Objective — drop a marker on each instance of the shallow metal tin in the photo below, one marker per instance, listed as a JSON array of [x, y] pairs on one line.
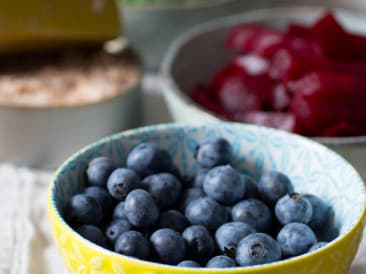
[[197, 54], [43, 137]]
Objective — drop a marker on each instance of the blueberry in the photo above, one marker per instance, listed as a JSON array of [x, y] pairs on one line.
[[141, 209], [102, 197], [189, 264], [189, 195], [224, 184], [295, 239], [317, 246], [200, 177], [173, 219], [119, 211], [274, 185], [164, 187], [83, 209], [257, 248], [321, 213], [221, 262], [116, 228], [98, 171], [148, 158], [229, 235], [207, 212], [253, 212], [213, 152], [199, 242], [93, 234], [168, 245], [134, 244], [98, 160], [121, 182], [251, 188], [293, 208]]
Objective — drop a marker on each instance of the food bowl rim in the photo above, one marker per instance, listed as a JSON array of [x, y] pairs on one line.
[[170, 86], [56, 216]]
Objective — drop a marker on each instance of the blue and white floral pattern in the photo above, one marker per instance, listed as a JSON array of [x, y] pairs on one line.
[[313, 168]]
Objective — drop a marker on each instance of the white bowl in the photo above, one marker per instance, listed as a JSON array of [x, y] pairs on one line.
[[196, 55]]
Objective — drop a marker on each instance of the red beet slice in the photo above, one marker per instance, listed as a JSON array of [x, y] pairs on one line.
[[287, 65], [233, 89], [257, 39], [344, 129], [241, 87], [280, 98], [294, 29], [336, 41], [284, 121], [252, 64], [203, 97], [322, 99]]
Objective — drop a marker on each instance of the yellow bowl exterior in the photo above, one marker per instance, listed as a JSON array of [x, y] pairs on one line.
[[81, 257]]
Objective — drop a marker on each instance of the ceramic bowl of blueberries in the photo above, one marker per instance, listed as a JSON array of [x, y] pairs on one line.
[[252, 68], [215, 198]]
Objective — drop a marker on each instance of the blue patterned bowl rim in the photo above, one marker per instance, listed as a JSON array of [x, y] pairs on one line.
[[177, 126]]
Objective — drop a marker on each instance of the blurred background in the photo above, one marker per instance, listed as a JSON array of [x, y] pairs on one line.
[[151, 28], [72, 72]]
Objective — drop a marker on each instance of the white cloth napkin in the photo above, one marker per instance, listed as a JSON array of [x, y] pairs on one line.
[[25, 240]]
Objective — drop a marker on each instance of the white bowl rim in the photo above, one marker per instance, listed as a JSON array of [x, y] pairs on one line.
[[175, 126], [175, 7], [169, 85]]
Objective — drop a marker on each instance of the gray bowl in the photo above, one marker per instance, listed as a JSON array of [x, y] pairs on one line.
[[42, 137], [197, 54], [151, 29]]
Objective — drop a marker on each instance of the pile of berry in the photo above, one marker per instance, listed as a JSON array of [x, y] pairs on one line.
[[219, 218]]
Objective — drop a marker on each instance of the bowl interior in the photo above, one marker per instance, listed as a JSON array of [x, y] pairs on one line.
[[198, 54], [312, 167]]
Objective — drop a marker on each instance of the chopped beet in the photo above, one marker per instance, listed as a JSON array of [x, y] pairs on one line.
[[252, 64], [202, 96], [258, 39], [322, 99], [298, 30], [336, 41], [344, 129], [280, 98], [306, 79], [233, 89], [309, 48], [288, 65], [240, 91]]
